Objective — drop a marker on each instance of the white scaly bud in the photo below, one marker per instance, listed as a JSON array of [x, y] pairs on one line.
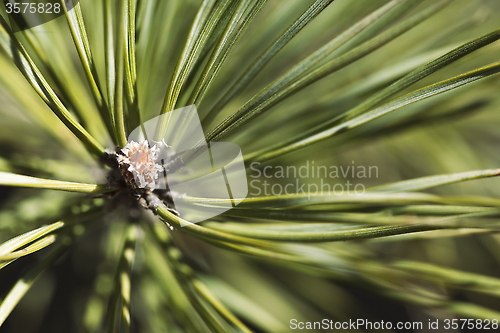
[[138, 164]]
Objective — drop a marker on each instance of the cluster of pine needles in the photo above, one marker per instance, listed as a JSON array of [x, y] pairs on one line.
[[408, 86]]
